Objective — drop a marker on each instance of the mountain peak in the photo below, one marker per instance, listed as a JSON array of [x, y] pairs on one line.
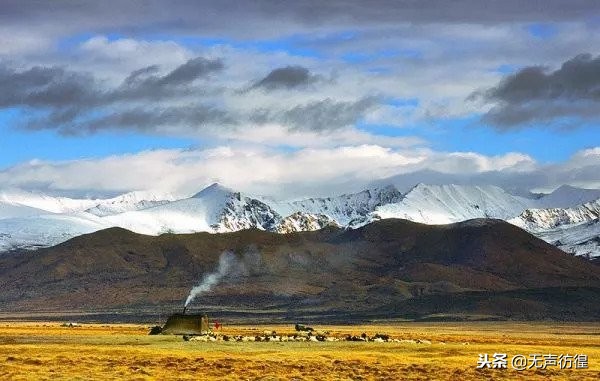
[[566, 188], [213, 190], [387, 188], [455, 187], [567, 196]]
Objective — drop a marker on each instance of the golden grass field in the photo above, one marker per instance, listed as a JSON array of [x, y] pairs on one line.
[[47, 351]]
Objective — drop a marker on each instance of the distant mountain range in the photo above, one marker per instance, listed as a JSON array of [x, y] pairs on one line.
[[388, 269], [567, 217]]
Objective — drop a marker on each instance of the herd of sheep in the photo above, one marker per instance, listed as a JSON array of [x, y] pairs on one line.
[[272, 336]]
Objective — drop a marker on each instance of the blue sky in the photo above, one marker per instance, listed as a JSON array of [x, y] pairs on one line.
[[19, 146], [545, 145], [402, 88]]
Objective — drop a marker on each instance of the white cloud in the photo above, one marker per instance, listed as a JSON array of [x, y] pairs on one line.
[[471, 162], [284, 174], [439, 64], [273, 135], [117, 58]]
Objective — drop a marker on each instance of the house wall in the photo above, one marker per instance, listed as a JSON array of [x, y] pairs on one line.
[[179, 324]]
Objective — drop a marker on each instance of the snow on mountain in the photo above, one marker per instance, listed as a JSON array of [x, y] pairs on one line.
[[45, 202], [345, 209], [10, 210], [129, 202], [99, 207], [45, 230], [568, 196], [26, 221], [575, 230], [444, 204], [219, 209], [214, 209], [299, 222], [579, 239], [536, 220]]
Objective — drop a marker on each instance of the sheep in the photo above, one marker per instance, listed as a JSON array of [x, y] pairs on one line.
[[203, 338]]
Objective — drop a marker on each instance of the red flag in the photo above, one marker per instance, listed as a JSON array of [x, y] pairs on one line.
[[217, 325]]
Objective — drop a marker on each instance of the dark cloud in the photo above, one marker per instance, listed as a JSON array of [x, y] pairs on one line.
[[71, 101], [535, 94], [45, 87], [57, 87], [192, 117], [190, 71], [145, 84], [327, 114], [136, 75], [76, 103], [321, 115], [577, 78], [288, 77], [244, 19]]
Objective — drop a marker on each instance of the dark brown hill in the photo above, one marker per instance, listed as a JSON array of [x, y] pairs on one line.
[[387, 269]]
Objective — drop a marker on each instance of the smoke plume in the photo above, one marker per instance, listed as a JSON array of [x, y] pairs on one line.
[[231, 268], [227, 263]]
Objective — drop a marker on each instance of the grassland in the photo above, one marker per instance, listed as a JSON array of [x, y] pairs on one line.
[[47, 351]]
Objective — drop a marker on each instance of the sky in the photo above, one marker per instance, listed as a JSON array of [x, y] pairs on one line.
[[298, 98]]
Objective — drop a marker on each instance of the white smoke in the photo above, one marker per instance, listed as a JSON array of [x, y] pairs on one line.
[[227, 263]]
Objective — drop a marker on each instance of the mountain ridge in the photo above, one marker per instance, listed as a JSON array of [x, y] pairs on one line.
[[371, 270], [217, 208]]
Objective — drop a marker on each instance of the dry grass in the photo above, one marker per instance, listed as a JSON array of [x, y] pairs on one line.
[[38, 351]]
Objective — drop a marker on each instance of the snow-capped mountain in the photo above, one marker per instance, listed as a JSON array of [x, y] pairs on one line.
[[11, 210], [41, 203], [45, 230], [44, 202], [215, 209], [444, 204], [300, 221], [579, 239], [567, 196], [33, 220], [344, 210], [129, 202], [536, 220], [575, 230]]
